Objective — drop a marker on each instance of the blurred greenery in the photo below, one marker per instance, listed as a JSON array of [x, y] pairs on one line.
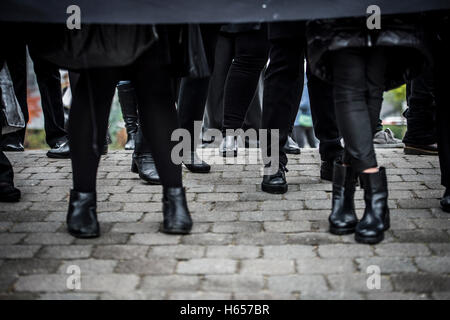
[[398, 131], [396, 97]]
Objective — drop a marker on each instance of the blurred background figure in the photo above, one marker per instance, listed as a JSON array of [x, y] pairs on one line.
[[303, 127]]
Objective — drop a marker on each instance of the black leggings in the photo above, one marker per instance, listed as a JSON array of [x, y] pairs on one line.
[[92, 99], [251, 54], [358, 80]]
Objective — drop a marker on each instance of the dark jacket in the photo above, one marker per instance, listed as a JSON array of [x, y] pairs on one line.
[[11, 116], [407, 56]]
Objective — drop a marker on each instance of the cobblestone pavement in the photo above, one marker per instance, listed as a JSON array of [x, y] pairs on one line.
[[246, 244]]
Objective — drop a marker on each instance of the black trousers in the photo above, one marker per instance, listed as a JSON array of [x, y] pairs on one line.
[[283, 86], [250, 57], [6, 170], [421, 113], [358, 85], [49, 82], [442, 83], [194, 91], [156, 109], [224, 54]]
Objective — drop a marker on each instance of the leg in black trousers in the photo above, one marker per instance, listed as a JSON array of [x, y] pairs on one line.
[[420, 137], [7, 191], [49, 82], [441, 80], [251, 53], [192, 99], [358, 79], [16, 59]]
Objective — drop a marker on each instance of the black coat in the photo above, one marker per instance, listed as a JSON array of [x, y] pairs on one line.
[[404, 35]]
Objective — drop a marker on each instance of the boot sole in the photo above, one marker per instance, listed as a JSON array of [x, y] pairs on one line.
[[369, 240], [419, 152], [54, 156], [175, 231], [292, 151], [84, 236], [274, 190], [203, 170], [341, 231]]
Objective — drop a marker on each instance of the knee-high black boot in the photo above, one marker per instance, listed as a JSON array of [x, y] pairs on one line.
[[128, 103], [343, 218], [376, 215]]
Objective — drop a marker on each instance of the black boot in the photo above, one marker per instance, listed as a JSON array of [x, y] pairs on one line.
[[375, 221], [177, 219], [343, 218], [8, 193], [326, 170], [445, 201], [60, 151], [194, 164], [82, 215], [128, 103], [229, 146], [144, 165], [291, 147], [275, 183]]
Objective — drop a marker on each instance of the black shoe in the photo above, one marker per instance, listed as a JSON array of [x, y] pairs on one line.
[[291, 147], [229, 146], [370, 229], [275, 183], [177, 219], [60, 151], [445, 201], [82, 215], [195, 164], [326, 170], [13, 147], [420, 149], [8, 193], [131, 141], [343, 218], [144, 165], [105, 149]]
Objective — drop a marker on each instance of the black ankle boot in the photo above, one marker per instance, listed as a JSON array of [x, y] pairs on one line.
[[144, 164], [82, 215], [275, 183], [445, 201], [8, 193], [196, 165], [375, 221], [177, 219], [343, 218], [131, 140]]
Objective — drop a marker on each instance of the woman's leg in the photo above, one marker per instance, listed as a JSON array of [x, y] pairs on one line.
[[352, 112], [157, 114], [92, 100], [251, 53]]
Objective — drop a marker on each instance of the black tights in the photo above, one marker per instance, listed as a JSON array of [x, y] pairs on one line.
[[358, 82], [92, 99], [251, 54]]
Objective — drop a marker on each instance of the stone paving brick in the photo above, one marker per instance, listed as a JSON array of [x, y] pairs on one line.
[[402, 250], [233, 283], [65, 251], [422, 236], [303, 284], [49, 238], [207, 239], [421, 282], [262, 216], [207, 266], [171, 283], [287, 226], [120, 252], [36, 227], [18, 251], [89, 266], [267, 266], [177, 252], [288, 251], [387, 265], [236, 227], [357, 283], [148, 266], [154, 239], [233, 252], [433, 264], [325, 266], [199, 295], [11, 238], [345, 250]]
